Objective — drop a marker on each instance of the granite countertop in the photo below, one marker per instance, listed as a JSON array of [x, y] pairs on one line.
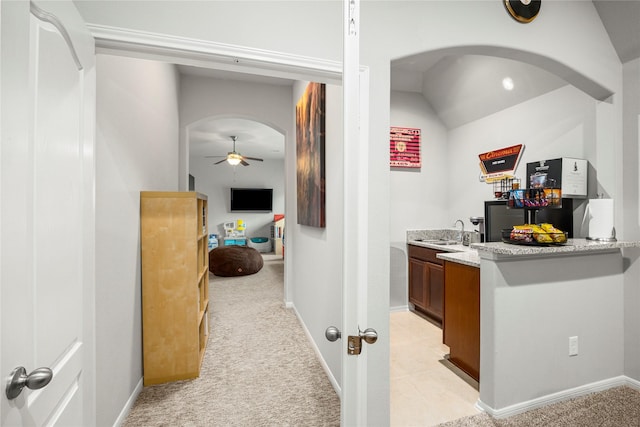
[[573, 246], [451, 252], [470, 255]]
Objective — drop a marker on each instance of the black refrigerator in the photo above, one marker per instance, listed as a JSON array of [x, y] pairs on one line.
[[498, 216]]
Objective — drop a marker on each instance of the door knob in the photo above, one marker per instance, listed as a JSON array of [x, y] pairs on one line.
[[369, 335], [332, 333], [354, 346], [18, 379]]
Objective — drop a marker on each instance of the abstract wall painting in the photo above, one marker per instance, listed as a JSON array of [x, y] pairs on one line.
[[310, 155]]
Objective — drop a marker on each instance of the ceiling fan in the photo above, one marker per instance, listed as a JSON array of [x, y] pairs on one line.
[[234, 158]]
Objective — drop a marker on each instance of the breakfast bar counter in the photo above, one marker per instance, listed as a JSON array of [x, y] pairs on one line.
[[497, 250], [546, 313]]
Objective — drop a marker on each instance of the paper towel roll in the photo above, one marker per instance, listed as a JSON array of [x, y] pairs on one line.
[[601, 219]]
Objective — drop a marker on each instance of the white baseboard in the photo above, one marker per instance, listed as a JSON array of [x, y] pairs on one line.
[[558, 397], [323, 363], [633, 383], [127, 407], [398, 308]]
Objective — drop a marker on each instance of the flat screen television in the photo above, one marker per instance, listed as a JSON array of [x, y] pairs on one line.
[[251, 199]]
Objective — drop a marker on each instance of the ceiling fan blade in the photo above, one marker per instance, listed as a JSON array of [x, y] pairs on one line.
[[252, 158], [243, 163], [221, 161]]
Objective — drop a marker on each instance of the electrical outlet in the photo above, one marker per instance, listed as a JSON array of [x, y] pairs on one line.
[[573, 346]]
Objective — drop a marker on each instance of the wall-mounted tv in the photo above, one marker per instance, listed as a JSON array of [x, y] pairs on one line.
[[251, 199]]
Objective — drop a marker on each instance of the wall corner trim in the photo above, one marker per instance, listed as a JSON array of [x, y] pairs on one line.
[[195, 52]]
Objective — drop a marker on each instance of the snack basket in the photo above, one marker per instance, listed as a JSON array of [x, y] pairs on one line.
[[534, 239]]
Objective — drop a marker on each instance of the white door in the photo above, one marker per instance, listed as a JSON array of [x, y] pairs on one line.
[[365, 385], [46, 218]]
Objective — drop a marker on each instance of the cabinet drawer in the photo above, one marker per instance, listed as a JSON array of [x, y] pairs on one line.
[[425, 254]]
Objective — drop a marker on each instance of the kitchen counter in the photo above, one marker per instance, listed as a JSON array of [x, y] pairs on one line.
[[533, 302], [452, 252], [497, 250], [469, 257]]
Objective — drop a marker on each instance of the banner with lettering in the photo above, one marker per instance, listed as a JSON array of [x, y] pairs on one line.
[[499, 164], [405, 147]]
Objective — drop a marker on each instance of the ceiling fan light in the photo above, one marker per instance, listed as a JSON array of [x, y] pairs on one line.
[[233, 159]]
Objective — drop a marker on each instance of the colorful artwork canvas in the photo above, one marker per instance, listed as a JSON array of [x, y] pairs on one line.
[[310, 155]]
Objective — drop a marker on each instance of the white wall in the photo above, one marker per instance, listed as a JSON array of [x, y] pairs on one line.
[[215, 181], [136, 149], [528, 317], [560, 123], [311, 28], [315, 252], [204, 98], [631, 135], [419, 197], [448, 188]]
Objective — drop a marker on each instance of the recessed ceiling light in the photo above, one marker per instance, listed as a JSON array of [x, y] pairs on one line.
[[507, 83]]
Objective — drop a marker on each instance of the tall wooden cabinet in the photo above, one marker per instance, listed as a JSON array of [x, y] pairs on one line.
[[175, 284], [462, 316]]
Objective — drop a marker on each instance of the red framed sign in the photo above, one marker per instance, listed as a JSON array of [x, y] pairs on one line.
[[404, 148]]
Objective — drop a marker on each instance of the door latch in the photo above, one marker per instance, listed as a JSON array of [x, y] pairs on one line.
[[354, 343]]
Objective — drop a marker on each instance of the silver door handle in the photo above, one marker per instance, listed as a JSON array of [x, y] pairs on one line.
[[354, 346], [369, 335], [333, 334], [18, 379]]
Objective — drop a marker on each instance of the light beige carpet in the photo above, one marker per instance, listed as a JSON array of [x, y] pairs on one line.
[[616, 407], [258, 370]]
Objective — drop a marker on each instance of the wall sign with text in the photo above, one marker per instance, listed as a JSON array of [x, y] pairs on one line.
[[499, 164], [405, 147]]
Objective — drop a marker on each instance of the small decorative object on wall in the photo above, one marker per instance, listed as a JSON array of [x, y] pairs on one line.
[[310, 156], [405, 148], [523, 11], [499, 164]]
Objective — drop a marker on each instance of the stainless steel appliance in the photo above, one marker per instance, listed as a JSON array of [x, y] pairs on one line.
[[479, 222]]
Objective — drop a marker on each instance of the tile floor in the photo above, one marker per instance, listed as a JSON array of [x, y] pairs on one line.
[[424, 392]]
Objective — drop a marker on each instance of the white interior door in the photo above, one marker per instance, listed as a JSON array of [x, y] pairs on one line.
[[365, 390], [48, 104]]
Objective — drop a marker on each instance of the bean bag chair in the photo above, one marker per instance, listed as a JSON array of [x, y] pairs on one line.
[[229, 261]]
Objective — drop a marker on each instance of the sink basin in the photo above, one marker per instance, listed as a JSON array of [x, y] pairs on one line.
[[439, 242]]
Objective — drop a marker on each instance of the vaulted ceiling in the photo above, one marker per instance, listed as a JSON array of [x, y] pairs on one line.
[[460, 89]]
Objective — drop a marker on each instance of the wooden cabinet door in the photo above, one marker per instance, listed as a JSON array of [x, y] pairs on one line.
[[434, 291], [417, 278], [426, 288], [462, 317]]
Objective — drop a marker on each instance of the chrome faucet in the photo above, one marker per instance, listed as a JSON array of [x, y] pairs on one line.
[[461, 231]]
